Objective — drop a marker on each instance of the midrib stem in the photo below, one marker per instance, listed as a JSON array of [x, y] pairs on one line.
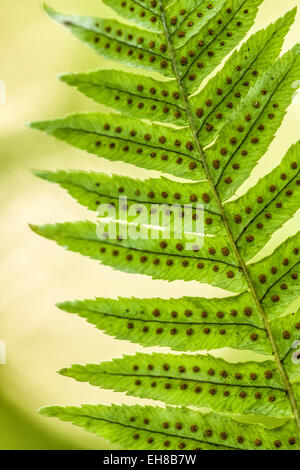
[[214, 190]]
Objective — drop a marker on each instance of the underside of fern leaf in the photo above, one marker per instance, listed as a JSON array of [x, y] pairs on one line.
[[212, 133]]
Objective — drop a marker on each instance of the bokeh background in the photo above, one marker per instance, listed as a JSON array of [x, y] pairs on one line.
[[35, 273]]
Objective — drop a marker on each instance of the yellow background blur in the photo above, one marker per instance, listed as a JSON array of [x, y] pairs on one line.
[[35, 274]]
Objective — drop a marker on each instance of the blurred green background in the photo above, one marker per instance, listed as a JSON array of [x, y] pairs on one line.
[[35, 274]]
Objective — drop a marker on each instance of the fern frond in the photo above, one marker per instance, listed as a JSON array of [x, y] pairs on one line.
[[240, 308], [212, 134], [155, 257], [120, 138], [266, 206], [92, 189], [203, 381], [133, 95], [118, 41], [270, 273], [176, 324], [240, 73], [137, 427], [145, 15], [214, 41], [247, 137], [186, 18]]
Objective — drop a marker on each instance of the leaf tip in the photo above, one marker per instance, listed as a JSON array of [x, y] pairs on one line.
[[37, 125], [40, 173], [61, 305], [66, 77], [41, 230], [33, 227], [291, 13], [65, 20], [49, 10], [48, 411], [294, 10], [63, 371]]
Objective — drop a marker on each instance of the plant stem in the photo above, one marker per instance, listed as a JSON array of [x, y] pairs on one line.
[[214, 190]]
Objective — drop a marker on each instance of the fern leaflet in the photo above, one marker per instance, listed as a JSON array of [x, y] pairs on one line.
[[212, 134]]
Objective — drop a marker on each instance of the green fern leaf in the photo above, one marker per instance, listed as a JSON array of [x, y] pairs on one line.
[[134, 95], [247, 137], [270, 203], [175, 323], [155, 322], [145, 15], [187, 310], [186, 18], [212, 134], [117, 41], [157, 258], [202, 381], [93, 189], [136, 427], [214, 41], [231, 84], [270, 274], [155, 147]]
